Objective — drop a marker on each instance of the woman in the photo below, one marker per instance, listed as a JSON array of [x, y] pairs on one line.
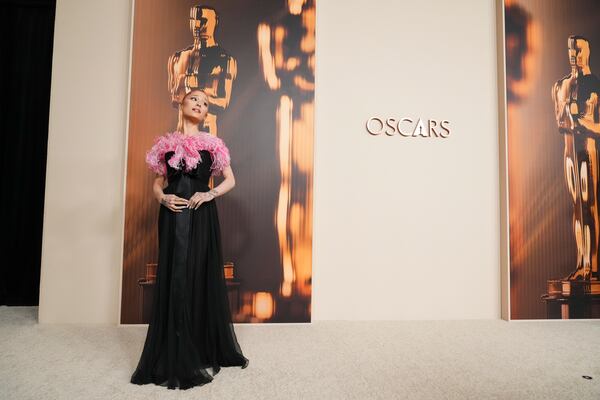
[[190, 328]]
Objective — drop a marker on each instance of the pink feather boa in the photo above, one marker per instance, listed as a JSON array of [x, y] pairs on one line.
[[187, 147]]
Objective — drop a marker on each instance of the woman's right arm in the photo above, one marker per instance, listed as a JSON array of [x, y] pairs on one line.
[[171, 201], [157, 187]]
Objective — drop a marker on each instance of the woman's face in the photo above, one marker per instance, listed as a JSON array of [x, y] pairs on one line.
[[195, 106]]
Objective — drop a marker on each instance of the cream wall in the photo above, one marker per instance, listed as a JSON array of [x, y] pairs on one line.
[[404, 228], [83, 212]]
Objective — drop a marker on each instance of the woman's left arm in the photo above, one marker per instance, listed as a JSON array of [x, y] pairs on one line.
[[224, 187], [227, 184]]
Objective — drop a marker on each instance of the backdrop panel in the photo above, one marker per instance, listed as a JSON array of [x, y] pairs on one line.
[[553, 134], [260, 74]]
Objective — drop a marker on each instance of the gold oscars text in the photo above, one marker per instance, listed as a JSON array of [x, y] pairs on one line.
[[408, 127]]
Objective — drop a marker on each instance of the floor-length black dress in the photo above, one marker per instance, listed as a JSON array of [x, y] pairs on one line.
[[190, 328]]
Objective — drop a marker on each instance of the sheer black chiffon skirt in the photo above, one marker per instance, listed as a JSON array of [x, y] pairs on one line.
[[190, 328]]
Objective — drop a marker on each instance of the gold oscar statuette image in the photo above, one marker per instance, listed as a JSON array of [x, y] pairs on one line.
[[287, 62], [204, 65], [575, 99]]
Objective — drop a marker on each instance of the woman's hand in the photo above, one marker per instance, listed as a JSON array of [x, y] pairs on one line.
[[199, 198], [173, 202]]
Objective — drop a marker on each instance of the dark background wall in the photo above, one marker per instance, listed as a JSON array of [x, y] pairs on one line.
[[26, 38]]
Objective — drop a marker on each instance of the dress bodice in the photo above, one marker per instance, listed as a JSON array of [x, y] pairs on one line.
[[185, 183], [188, 161]]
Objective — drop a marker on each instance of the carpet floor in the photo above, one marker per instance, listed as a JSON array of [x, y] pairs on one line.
[[459, 359]]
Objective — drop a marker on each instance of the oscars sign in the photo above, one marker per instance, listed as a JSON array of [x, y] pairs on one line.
[[408, 127]]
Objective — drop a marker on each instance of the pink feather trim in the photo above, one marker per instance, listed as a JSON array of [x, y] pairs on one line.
[[187, 147]]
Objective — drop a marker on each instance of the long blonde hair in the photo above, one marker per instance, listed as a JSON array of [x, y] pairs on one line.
[[180, 108]]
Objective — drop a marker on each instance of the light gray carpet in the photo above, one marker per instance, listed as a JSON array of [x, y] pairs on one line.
[[470, 359]]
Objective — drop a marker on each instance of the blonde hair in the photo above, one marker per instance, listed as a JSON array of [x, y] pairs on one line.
[[180, 107]]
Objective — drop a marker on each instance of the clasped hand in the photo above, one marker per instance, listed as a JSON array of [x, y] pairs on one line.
[[176, 203]]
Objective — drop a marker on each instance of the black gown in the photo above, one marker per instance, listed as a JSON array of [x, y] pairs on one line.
[[190, 328]]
